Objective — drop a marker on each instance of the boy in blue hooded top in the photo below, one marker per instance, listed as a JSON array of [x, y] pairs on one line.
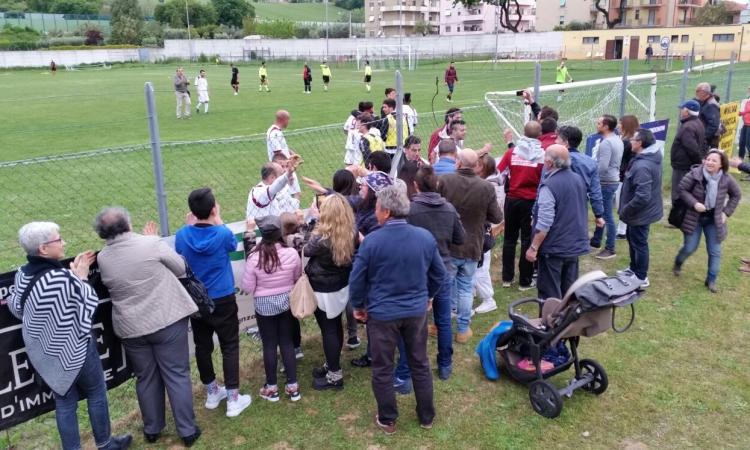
[[206, 243]]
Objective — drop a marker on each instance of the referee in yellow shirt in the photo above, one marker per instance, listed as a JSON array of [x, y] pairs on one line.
[[263, 74]]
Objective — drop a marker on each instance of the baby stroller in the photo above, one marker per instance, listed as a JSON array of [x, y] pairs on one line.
[[587, 309]]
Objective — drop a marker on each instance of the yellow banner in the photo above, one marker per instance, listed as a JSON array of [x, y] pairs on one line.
[[730, 119]]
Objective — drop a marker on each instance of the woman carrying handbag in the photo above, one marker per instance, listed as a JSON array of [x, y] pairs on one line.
[[271, 271], [331, 251]]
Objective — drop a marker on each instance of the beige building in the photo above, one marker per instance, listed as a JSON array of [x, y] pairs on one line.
[[657, 13], [563, 12], [709, 43]]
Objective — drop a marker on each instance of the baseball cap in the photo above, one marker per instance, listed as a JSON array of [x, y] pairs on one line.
[[376, 180], [270, 227], [691, 105]]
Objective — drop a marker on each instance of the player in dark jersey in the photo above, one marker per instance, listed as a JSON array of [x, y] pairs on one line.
[[235, 79]]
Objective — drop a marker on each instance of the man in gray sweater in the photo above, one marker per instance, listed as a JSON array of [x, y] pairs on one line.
[[181, 93], [608, 158]]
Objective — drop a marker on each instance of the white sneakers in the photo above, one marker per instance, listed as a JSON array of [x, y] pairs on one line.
[[235, 407], [488, 305], [213, 400], [629, 273]]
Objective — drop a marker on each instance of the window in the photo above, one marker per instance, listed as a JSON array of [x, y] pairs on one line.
[[562, 3], [458, 29], [637, 14], [591, 40], [723, 37], [447, 28], [652, 17], [562, 20], [675, 38], [685, 38], [653, 39]]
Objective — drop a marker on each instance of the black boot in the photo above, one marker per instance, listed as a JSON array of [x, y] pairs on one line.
[[190, 440], [121, 442]]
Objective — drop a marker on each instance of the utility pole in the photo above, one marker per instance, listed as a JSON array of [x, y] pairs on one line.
[[187, 18], [326, 2]]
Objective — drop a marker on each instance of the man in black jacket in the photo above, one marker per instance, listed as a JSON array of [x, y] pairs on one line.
[[710, 114], [688, 146], [640, 202]]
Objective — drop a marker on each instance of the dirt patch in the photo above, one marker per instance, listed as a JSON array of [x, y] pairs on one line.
[[628, 444]]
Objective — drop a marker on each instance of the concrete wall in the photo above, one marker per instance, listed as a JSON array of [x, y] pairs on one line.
[[455, 46], [42, 58], [700, 37]]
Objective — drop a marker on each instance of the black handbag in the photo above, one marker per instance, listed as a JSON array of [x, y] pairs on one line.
[[677, 213], [198, 292]]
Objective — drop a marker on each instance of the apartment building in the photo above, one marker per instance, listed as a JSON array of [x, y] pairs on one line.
[[389, 18], [483, 18], [563, 12], [656, 13]]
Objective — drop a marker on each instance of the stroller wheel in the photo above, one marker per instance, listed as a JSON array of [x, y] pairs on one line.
[[545, 399], [600, 382]]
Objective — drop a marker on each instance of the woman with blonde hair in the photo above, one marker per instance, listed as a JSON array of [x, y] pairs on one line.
[[331, 251], [628, 126]]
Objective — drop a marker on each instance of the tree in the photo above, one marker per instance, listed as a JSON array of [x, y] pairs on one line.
[[93, 36], [173, 13], [713, 15], [611, 23], [126, 22], [231, 12], [75, 7]]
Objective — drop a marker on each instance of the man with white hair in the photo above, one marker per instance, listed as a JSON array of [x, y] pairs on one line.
[[476, 203], [688, 146], [275, 140], [56, 307], [710, 114], [398, 268], [560, 225]]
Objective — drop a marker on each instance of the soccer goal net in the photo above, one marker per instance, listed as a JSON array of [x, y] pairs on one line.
[[386, 57], [580, 103]]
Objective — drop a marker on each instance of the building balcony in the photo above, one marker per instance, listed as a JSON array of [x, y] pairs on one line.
[[397, 23], [404, 8], [641, 4], [690, 3]]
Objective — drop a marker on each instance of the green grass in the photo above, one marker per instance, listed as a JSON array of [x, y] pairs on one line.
[[304, 12], [677, 378]]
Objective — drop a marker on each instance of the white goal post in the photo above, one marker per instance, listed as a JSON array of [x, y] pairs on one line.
[[385, 56], [579, 103]]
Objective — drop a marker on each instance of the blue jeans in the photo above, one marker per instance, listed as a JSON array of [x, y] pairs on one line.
[[706, 225], [744, 142], [441, 311], [462, 271], [608, 199], [90, 383], [638, 242]]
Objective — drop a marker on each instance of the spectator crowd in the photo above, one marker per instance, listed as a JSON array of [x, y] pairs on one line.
[[401, 242]]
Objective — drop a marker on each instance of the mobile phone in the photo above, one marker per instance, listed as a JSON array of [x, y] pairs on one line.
[[519, 93]]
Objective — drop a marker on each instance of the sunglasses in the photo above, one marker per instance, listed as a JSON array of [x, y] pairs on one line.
[[52, 241]]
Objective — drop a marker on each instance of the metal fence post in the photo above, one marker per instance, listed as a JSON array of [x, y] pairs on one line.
[[399, 125], [683, 86], [624, 86], [153, 128], [730, 74], [537, 79]]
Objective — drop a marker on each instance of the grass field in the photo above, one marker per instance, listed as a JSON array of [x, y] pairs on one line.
[[677, 379], [303, 12]]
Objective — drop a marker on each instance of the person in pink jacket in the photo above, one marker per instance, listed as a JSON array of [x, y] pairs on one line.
[[271, 270]]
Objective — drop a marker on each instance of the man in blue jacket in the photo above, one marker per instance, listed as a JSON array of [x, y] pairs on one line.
[[560, 229], [206, 243], [397, 270], [585, 166], [641, 202]]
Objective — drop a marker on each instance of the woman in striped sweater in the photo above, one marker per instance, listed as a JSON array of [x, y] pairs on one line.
[[56, 306]]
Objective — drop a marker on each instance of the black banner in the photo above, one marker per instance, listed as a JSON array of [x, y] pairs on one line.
[[21, 397]]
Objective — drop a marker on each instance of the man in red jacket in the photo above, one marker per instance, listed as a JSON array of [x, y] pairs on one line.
[[451, 78], [523, 162]]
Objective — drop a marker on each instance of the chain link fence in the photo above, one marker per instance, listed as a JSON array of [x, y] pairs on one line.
[[70, 189]]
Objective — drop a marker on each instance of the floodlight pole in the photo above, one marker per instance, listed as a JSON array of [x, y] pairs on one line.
[[153, 128], [187, 19], [326, 3]]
